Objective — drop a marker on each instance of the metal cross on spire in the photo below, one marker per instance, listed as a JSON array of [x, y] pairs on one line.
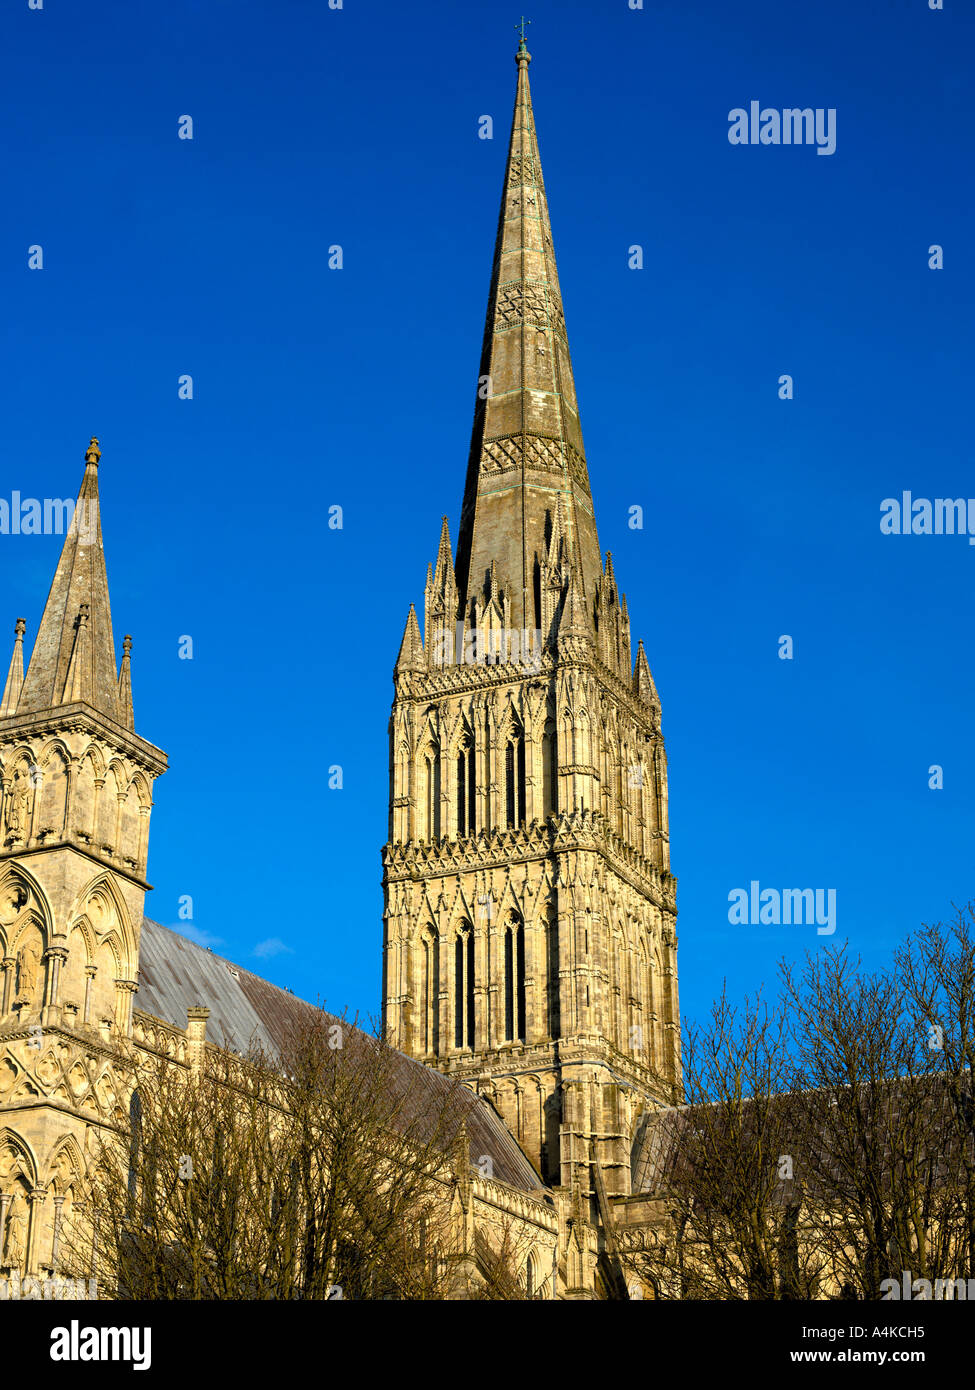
[[521, 28]]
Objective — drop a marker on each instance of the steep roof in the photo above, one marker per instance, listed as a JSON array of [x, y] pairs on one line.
[[663, 1149], [176, 974]]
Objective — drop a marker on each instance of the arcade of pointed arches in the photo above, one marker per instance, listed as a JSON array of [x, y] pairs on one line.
[[446, 973]]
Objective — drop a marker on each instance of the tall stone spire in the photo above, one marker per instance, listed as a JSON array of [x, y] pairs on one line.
[[526, 446], [529, 925], [74, 654]]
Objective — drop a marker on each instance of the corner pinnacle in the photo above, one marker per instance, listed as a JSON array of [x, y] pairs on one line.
[[15, 675], [126, 712]]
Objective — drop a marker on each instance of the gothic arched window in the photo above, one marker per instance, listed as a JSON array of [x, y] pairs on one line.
[[626, 791], [135, 1144], [464, 986], [514, 777], [550, 770], [653, 1009], [429, 992], [617, 983], [642, 1041], [429, 800], [466, 787], [514, 981], [552, 973], [638, 780]]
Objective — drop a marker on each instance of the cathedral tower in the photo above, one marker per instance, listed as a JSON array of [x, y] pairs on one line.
[[75, 800], [529, 942]]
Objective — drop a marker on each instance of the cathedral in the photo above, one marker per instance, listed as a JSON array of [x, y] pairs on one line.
[[529, 945]]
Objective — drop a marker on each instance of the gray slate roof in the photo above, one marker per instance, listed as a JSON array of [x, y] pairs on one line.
[[176, 974]]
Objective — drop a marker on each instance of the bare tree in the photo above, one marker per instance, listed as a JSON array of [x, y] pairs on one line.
[[827, 1142], [319, 1172], [729, 1200], [869, 1118], [937, 971]]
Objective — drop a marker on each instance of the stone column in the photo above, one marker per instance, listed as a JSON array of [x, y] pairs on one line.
[[119, 813], [143, 853], [90, 972], [96, 812], [7, 966], [54, 957], [34, 1200], [124, 992], [56, 1241], [5, 1199], [196, 1033]]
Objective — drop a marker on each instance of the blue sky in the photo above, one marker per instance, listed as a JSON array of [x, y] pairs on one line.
[[316, 387]]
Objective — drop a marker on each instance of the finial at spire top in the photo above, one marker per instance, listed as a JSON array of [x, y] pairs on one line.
[[20, 628], [522, 53], [126, 645], [93, 453]]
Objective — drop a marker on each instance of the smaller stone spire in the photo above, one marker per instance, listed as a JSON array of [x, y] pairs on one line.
[[126, 712], [411, 648], [626, 643], [15, 676], [575, 621], [643, 680], [444, 573], [553, 551], [72, 660], [74, 683]]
